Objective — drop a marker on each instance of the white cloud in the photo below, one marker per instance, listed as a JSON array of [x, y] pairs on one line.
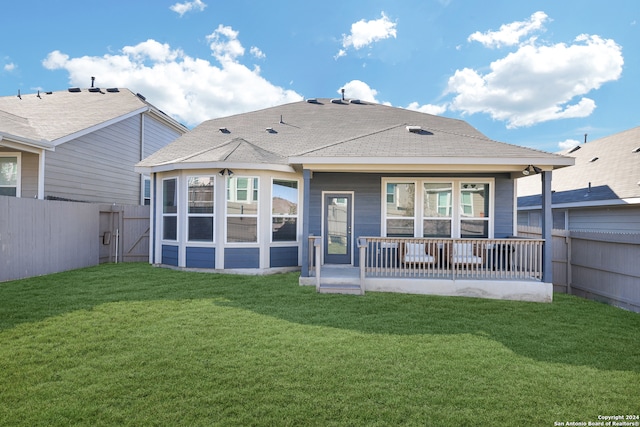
[[510, 34], [9, 67], [568, 144], [427, 108], [182, 8], [255, 51], [365, 33], [539, 83], [357, 89], [190, 89]]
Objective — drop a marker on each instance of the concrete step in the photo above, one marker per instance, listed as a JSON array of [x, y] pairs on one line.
[[346, 289]]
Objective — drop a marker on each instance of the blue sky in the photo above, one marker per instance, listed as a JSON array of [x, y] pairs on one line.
[[534, 73]]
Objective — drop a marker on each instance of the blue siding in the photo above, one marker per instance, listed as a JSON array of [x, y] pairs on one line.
[[170, 255], [242, 258], [201, 257], [283, 256]]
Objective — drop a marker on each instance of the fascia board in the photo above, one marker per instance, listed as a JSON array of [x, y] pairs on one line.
[[25, 144], [544, 163], [167, 167], [589, 204], [98, 126]]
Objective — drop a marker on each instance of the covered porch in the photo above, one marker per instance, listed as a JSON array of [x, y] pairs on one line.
[[509, 269]]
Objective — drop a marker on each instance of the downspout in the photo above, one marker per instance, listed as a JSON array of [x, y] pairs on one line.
[[547, 226]]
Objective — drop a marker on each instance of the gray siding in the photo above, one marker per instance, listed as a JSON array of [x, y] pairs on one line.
[[156, 136], [618, 219], [611, 219], [99, 167], [30, 175]]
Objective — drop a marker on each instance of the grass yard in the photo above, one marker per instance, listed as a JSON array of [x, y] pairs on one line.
[[130, 344]]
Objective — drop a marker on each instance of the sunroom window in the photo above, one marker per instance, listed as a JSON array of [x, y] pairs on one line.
[[242, 209], [437, 209], [284, 211], [474, 210], [170, 209], [9, 175], [200, 208]]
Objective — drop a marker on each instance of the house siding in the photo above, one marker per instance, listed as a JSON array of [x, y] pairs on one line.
[[201, 257], [99, 167], [283, 256], [367, 202], [170, 255], [242, 258]]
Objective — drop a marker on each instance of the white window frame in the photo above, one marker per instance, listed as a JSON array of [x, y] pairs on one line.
[[211, 215], [18, 155], [296, 216], [456, 217], [252, 187]]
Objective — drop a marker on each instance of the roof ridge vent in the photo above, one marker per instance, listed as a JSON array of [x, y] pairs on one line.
[[414, 129], [312, 101], [336, 101], [113, 90], [355, 101], [74, 89]]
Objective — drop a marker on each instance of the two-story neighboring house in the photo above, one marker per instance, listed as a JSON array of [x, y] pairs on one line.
[[80, 144]]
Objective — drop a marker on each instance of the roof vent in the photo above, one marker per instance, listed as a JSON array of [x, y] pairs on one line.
[[94, 89], [224, 130], [637, 150], [593, 159], [355, 101], [312, 101], [113, 90], [271, 130], [414, 129], [576, 148], [336, 101], [141, 97], [74, 89]]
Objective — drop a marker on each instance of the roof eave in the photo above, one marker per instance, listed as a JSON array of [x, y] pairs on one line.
[[18, 142], [172, 166]]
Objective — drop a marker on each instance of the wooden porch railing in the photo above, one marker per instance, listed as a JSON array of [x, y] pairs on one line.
[[511, 259]]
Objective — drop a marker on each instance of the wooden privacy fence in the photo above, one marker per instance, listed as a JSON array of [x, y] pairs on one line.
[[595, 265], [47, 236]]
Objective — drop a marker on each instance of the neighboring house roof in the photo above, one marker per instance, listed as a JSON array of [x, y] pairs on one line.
[[338, 133], [606, 172], [51, 118]]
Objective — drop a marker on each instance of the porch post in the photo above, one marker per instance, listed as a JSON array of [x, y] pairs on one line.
[[306, 196], [547, 226]]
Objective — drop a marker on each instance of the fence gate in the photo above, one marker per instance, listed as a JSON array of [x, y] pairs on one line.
[[124, 233]]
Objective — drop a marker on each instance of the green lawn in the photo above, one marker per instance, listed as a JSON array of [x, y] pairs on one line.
[[130, 344]]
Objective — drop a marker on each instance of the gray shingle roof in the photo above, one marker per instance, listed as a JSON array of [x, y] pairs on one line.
[[322, 130], [614, 175], [50, 116]]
